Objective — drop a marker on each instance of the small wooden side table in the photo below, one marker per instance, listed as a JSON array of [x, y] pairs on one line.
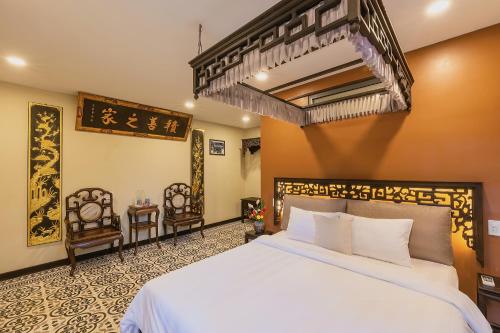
[[244, 206], [134, 212], [486, 293], [251, 235]]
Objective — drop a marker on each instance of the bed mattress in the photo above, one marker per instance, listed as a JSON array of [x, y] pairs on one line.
[[277, 285]]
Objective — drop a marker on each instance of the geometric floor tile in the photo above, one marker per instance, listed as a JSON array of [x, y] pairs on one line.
[[97, 297]]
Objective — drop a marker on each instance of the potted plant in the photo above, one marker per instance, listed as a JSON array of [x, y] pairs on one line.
[[256, 214]]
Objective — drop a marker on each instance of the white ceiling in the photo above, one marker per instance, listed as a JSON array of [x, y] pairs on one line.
[[138, 50], [342, 53]]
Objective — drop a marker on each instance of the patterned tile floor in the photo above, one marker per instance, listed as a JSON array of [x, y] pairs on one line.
[[97, 297]]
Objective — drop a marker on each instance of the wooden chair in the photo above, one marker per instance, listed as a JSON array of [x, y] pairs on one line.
[[180, 209], [90, 221]]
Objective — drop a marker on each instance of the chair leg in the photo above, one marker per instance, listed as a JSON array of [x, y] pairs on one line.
[[190, 227], [67, 252], [201, 228], [72, 260], [157, 239], [120, 247], [175, 235], [112, 247]]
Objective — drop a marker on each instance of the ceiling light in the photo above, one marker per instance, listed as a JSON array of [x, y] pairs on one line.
[[438, 7], [262, 76], [16, 61], [189, 104], [245, 119]]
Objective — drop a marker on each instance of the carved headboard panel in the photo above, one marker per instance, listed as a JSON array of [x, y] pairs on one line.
[[465, 199]]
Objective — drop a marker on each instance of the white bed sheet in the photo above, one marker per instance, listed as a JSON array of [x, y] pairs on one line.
[[432, 271], [276, 285]]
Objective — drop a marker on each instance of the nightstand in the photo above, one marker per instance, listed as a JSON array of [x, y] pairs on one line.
[[486, 293], [251, 235]]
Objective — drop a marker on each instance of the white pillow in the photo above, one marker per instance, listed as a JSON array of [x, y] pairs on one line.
[[334, 233], [382, 239], [301, 225]]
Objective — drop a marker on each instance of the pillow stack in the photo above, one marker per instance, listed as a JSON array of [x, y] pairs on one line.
[[382, 239], [378, 229]]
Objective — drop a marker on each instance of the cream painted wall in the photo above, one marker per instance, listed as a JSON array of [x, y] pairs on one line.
[[251, 166], [120, 164]]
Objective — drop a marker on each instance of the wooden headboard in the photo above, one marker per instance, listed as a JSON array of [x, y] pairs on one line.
[[464, 199]]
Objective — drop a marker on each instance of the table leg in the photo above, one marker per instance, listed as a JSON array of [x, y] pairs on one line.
[[136, 236], [129, 230], [149, 229], [481, 304]]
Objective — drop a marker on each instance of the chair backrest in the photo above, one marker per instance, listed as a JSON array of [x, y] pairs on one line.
[[177, 199], [90, 208]]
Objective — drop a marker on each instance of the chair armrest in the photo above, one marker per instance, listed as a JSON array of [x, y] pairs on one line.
[[116, 221], [69, 228]]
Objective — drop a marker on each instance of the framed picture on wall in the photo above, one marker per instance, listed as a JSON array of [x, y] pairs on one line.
[[217, 147]]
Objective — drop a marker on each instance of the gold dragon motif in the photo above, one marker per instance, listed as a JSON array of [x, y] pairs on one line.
[[45, 182]]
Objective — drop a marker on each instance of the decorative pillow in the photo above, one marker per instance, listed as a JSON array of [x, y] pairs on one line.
[[382, 239], [301, 226], [334, 233], [430, 238], [311, 204]]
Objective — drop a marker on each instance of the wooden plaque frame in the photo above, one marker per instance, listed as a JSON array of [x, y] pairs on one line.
[[121, 107]]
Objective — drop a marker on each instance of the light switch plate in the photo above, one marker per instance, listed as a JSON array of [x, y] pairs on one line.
[[493, 228]]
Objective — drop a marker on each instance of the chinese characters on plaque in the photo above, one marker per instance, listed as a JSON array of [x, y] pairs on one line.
[[113, 116]]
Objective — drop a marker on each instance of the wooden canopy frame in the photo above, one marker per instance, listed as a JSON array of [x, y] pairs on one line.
[[368, 17]]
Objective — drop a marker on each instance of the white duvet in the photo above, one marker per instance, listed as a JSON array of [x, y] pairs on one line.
[[277, 285]]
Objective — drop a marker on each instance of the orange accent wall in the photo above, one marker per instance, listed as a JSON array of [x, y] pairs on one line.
[[451, 134], [348, 76]]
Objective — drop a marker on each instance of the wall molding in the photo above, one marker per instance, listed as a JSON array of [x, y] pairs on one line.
[[64, 262]]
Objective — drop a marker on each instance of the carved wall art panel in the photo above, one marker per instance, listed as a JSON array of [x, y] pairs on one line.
[[44, 174], [198, 167]]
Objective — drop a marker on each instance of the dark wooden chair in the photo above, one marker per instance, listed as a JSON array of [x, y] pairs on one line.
[[180, 209], [90, 221]]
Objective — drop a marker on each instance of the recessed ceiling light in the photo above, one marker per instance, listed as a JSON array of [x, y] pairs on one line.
[[245, 119], [438, 7], [16, 61], [262, 76], [189, 104]]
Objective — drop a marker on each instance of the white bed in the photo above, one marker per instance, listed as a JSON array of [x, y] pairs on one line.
[[277, 285]]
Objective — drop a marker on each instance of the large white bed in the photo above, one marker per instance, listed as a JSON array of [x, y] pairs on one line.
[[278, 285]]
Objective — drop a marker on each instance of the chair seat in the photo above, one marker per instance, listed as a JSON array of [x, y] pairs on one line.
[[95, 234], [184, 217]]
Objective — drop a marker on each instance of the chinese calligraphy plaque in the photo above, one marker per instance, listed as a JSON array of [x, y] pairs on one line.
[[113, 116]]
